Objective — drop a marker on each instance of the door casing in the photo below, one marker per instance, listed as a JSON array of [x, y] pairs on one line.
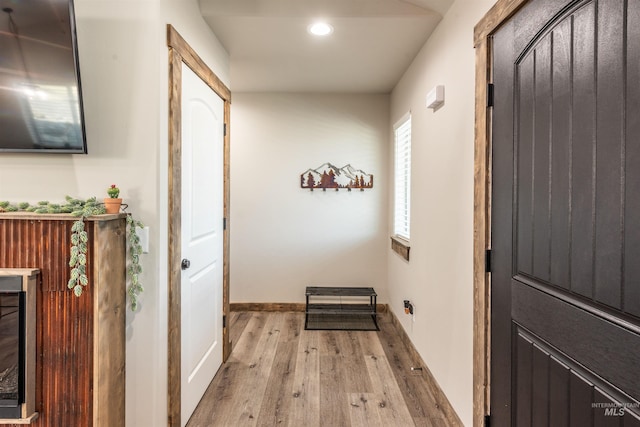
[[180, 52], [499, 13]]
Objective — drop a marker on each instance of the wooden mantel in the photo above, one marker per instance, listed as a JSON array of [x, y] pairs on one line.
[[58, 217], [80, 373]]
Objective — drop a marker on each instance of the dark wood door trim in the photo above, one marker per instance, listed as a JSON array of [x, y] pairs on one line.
[[180, 52], [499, 13]]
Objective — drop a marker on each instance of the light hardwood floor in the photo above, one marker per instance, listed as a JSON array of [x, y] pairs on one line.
[[280, 374]]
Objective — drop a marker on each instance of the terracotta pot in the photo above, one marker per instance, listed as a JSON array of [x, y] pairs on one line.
[[112, 205]]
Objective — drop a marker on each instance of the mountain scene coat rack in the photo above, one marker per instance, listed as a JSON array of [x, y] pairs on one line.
[[332, 177]]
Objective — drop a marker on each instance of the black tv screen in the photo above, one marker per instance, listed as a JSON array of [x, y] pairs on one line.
[[40, 92]]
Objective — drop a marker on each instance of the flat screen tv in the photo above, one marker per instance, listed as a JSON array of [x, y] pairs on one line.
[[40, 92]]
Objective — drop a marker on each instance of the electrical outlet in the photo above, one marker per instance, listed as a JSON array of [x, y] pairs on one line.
[[408, 307], [416, 370]]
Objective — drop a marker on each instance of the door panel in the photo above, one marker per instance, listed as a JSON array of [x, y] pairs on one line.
[[565, 205], [601, 346], [202, 238], [554, 391]]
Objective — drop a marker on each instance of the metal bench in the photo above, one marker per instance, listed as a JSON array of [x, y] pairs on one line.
[[340, 309]]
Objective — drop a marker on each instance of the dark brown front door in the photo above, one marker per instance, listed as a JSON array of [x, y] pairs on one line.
[[565, 318]]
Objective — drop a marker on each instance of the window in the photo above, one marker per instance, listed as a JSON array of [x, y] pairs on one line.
[[402, 179]]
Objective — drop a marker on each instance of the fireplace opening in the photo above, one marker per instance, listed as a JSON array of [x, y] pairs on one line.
[[13, 347]]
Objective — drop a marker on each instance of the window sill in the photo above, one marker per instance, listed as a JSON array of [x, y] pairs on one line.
[[400, 246]]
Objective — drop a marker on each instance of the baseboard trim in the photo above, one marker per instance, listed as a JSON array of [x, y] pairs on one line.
[[281, 306], [451, 417], [267, 306]]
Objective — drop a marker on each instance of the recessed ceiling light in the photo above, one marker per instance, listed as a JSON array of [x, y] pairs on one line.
[[320, 29]]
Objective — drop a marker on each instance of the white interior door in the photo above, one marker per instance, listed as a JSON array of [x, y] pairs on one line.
[[202, 234]]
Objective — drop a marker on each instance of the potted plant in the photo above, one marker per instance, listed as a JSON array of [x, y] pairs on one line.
[[112, 203]]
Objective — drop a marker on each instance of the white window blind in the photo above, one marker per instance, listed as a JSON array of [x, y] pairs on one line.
[[402, 202]]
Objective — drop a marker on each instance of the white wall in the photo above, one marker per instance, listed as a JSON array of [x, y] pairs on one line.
[[438, 278], [284, 238], [124, 70]]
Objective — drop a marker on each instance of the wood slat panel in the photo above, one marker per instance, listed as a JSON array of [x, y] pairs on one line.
[[541, 137], [524, 349], [65, 324], [582, 210], [540, 388], [559, 392], [560, 155], [580, 401], [609, 152], [526, 150]]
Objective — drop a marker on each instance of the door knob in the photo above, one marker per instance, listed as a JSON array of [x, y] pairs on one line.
[[185, 264]]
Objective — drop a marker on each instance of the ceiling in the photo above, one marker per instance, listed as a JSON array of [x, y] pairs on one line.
[[373, 42]]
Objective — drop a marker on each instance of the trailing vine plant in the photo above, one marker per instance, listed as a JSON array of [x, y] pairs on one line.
[[78, 259], [133, 267], [79, 238]]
